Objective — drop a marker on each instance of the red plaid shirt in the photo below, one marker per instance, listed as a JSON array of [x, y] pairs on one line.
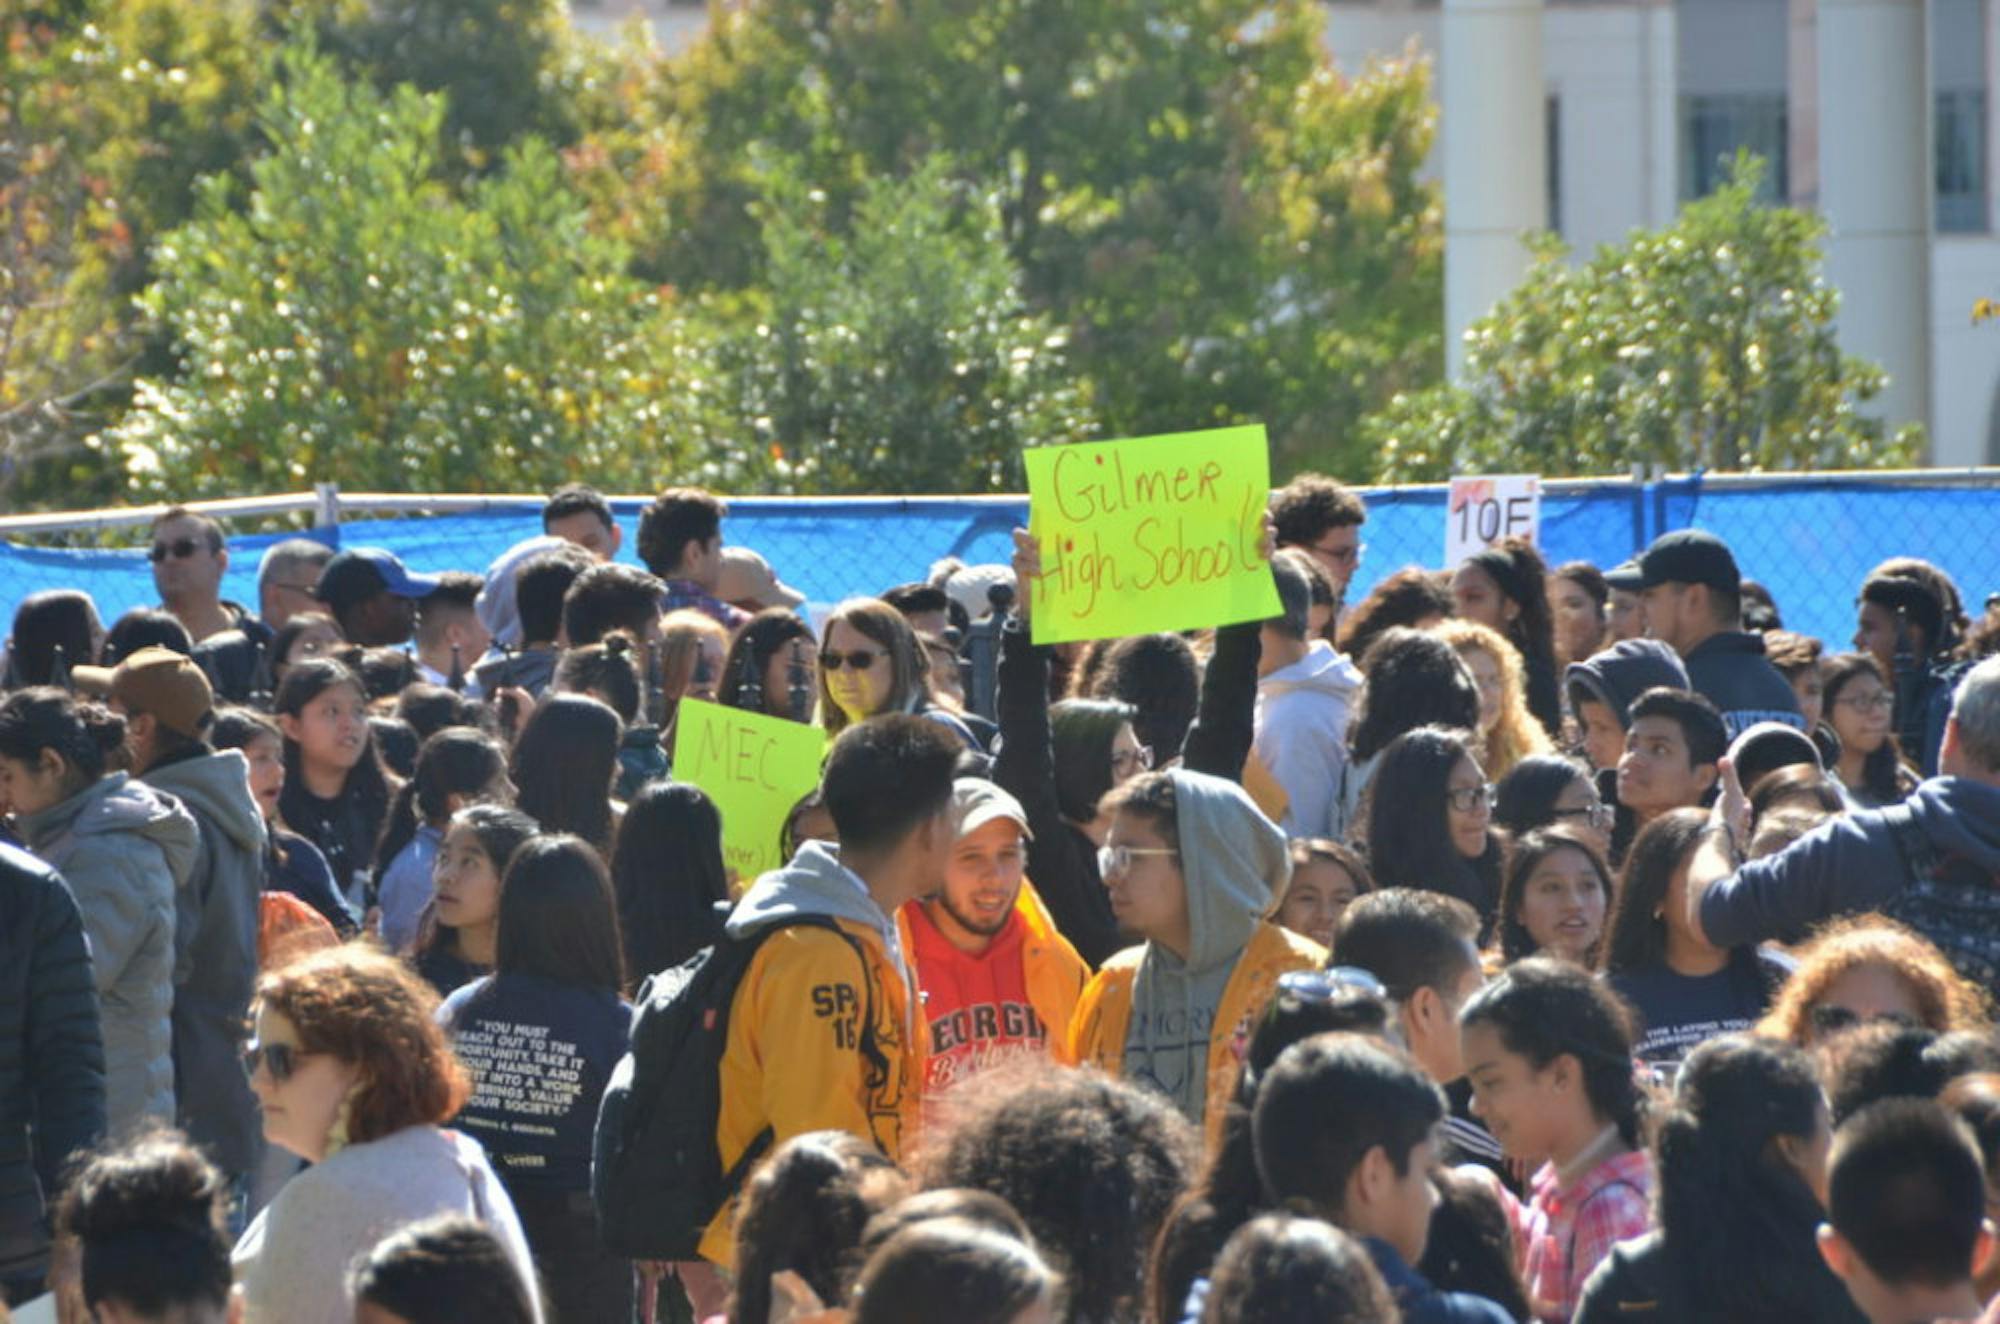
[[1565, 1231]]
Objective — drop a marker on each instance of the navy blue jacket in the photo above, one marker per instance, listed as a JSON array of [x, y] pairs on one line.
[[1730, 671]]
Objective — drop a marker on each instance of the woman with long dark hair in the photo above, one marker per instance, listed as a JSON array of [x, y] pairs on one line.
[[563, 766], [1505, 587], [1683, 989], [336, 794], [56, 620], [1430, 820], [1413, 679], [668, 876], [456, 767], [772, 666], [1554, 897], [1742, 1175], [552, 1018], [459, 939], [1860, 708], [1552, 790], [292, 864]]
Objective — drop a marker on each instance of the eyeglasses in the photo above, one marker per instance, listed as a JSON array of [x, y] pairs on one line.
[[1115, 860], [309, 590], [860, 659], [1132, 760], [281, 1060], [1874, 703], [1336, 983], [180, 549], [1465, 799], [1596, 815], [1340, 555], [1829, 1018]]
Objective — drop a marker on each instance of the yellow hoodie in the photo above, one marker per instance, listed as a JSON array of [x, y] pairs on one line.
[[795, 1060]]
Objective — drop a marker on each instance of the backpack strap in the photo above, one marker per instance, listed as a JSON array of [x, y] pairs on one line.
[[1913, 844], [1569, 1250]]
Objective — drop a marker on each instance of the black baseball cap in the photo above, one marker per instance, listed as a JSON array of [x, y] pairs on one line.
[[1625, 577], [1690, 556], [361, 572]]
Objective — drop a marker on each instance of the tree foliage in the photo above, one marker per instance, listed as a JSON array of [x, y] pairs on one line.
[[898, 356], [1708, 343], [1226, 227], [355, 316]]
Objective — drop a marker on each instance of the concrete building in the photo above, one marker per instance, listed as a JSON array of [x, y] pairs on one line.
[[1596, 116]]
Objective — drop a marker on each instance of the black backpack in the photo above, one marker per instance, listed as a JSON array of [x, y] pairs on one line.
[[1951, 902], [656, 1177]]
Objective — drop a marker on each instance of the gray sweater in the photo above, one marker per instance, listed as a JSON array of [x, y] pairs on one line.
[[294, 1258]]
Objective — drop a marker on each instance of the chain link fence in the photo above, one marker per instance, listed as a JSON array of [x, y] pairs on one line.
[[1809, 539]]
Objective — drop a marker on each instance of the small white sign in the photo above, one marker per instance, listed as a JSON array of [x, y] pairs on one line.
[[1483, 509]]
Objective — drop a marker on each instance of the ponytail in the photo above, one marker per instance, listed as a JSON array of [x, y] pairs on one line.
[[1544, 1008], [85, 735], [456, 761]]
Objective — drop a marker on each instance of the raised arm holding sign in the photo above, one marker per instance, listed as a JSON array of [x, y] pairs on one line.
[[754, 767], [1158, 533]]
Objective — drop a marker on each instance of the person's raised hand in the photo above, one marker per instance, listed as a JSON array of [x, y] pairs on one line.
[[1027, 570], [1732, 806]]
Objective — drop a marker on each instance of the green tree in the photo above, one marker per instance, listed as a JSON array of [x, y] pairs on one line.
[[1226, 227], [1708, 343], [356, 317], [898, 356]]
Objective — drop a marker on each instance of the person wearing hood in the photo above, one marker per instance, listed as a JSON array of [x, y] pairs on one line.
[[996, 981], [822, 1029], [1192, 867], [1601, 689], [1305, 694], [169, 710], [1932, 861], [125, 851]]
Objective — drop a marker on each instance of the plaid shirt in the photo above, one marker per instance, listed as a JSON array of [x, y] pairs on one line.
[[1565, 1231], [685, 594]]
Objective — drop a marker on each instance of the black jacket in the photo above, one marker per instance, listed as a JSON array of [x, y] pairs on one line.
[[51, 1053], [1730, 671], [1062, 862], [1637, 1283]]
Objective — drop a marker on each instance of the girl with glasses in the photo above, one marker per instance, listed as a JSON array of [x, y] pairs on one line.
[[1860, 708], [1553, 790], [1191, 866], [1430, 821]]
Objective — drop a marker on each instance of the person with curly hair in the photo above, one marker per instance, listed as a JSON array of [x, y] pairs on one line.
[[1091, 1164], [1866, 969], [1322, 518], [1412, 599], [1507, 731], [353, 1074]]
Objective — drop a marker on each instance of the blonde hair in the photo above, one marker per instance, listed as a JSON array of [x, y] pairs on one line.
[[1516, 735]]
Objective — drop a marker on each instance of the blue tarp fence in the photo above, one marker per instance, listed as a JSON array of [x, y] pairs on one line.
[[1809, 539]]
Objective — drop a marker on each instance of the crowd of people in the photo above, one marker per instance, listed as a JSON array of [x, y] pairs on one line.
[[1516, 942]]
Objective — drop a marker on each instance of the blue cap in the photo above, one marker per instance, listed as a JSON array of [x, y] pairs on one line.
[[359, 573]]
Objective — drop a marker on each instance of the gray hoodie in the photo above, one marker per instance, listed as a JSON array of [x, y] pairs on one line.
[[125, 851], [1234, 862], [215, 938], [1302, 716], [814, 883]]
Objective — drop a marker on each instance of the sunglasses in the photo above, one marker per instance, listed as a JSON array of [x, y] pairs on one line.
[[180, 549], [281, 1060], [1830, 1019], [1336, 983], [860, 659]]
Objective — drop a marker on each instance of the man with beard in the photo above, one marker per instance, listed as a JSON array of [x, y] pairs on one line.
[[998, 982]]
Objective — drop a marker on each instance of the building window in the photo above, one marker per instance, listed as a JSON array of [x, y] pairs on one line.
[[1555, 163], [1959, 139], [1715, 128]]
